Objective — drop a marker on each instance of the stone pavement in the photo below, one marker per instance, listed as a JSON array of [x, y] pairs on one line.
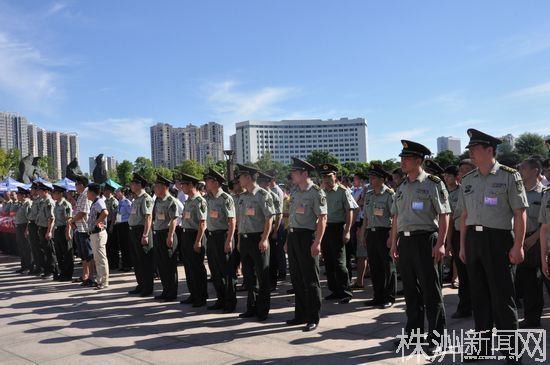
[[61, 323]]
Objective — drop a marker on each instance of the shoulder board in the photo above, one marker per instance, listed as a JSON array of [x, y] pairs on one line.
[[508, 169], [263, 191], [316, 187], [469, 173], [390, 191], [225, 196], [434, 178], [545, 189]]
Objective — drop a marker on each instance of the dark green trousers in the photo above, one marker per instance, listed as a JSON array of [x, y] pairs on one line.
[[64, 253], [166, 260], [334, 255], [304, 274], [37, 254], [143, 261], [221, 269], [256, 271], [47, 247], [23, 246], [195, 271], [382, 267], [422, 283]]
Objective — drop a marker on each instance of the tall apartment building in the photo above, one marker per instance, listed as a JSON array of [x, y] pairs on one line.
[[345, 138], [13, 133], [54, 153], [170, 146], [449, 144]]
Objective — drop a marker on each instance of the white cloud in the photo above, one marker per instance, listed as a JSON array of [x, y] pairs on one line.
[[55, 8], [25, 74], [524, 44], [533, 91], [451, 102], [130, 134], [405, 134]]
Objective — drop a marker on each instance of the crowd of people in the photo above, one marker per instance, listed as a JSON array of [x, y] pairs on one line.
[[491, 219]]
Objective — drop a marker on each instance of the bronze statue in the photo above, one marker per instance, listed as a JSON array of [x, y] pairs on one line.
[[73, 170], [29, 169], [100, 171]]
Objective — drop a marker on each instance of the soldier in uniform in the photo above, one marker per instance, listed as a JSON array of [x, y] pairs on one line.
[[340, 205], [255, 218], [45, 221], [21, 221], [165, 220], [264, 181], [141, 240], [32, 232], [528, 282], [307, 223], [452, 175], [375, 234], [544, 220], [420, 222], [194, 226], [63, 213], [113, 248], [221, 224], [493, 203]]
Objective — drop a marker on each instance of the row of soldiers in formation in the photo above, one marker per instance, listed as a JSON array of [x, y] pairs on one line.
[[489, 221]]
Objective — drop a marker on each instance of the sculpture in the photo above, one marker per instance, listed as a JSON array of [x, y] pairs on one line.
[[100, 171], [73, 170], [29, 169]]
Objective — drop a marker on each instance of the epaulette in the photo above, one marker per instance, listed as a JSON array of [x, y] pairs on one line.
[[263, 192], [340, 186], [469, 173], [435, 179], [545, 189], [390, 190], [225, 196], [508, 169], [316, 187]]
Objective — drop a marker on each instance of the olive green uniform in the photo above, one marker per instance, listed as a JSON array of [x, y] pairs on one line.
[[21, 222], [193, 213], [112, 247], [221, 208], [273, 259], [63, 248], [418, 205], [254, 209], [489, 202], [164, 212], [377, 212], [305, 208], [36, 250], [333, 248], [46, 212], [142, 256]]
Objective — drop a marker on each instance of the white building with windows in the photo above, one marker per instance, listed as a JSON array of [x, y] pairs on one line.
[[345, 138], [449, 144]]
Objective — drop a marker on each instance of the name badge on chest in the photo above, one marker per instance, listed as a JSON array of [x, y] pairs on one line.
[[301, 209], [490, 201], [213, 214], [250, 211], [134, 210], [418, 205], [187, 215], [161, 216], [379, 212]]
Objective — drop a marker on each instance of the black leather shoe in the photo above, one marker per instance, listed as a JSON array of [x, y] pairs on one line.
[[290, 291], [432, 350], [189, 300], [262, 318], [137, 290], [247, 314], [169, 299], [332, 296], [345, 300], [386, 305], [160, 297], [310, 327], [371, 303], [46, 276], [295, 322], [146, 294], [215, 306], [229, 310], [199, 303], [20, 271]]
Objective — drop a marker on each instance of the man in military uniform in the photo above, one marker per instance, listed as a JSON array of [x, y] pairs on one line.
[[337, 234], [528, 282], [493, 202], [141, 240], [45, 221], [420, 221], [255, 212], [113, 248], [451, 175], [165, 220], [307, 223], [32, 232], [375, 234], [194, 226], [221, 228], [264, 181], [63, 213], [544, 220], [21, 221]]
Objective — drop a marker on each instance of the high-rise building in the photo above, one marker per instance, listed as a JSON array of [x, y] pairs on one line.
[[13, 133], [111, 163], [345, 138], [54, 153], [170, 146], [449, 144], [233, 142]]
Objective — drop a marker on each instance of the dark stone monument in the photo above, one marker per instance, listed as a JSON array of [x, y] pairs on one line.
[[73, 170], [100, 171], [29, 169]]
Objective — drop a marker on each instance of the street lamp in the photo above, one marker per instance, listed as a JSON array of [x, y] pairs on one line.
[[229, 161]]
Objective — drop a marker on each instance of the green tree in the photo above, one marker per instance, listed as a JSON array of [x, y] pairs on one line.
[[144, 167], [446, 158], [391, 164], [163, 171], [266, 163], [124, 172], [529, 144], [190, 167], [317, 158], [506, 155]]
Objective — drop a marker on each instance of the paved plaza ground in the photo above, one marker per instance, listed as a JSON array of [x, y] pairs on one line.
[[47, 322]]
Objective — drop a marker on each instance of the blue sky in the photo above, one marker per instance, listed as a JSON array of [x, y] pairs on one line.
[[415, 69]]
